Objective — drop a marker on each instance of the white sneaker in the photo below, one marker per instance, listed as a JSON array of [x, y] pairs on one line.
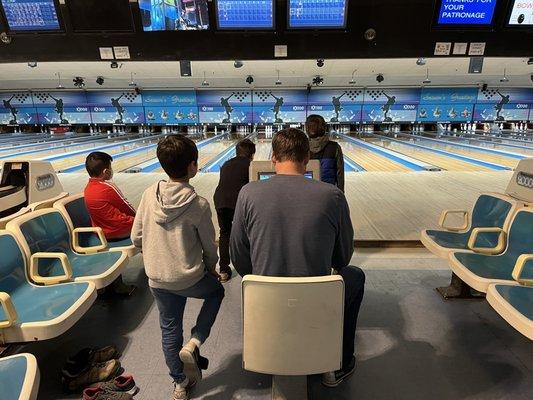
[[181, 392]]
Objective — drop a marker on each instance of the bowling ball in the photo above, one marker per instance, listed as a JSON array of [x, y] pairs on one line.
[[521, 18]]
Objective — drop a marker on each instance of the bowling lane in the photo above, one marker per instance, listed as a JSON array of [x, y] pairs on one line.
[[513, 148], [70, 161], [369, 160], [208, 152], [446, 163], [472, 153], [263, 150]]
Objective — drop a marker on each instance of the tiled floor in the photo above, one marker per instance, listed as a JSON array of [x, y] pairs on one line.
[[410, 343]]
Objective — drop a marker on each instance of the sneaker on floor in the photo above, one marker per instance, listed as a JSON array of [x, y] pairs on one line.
[[182, 393], [225, 276], [333, 379], [97, 373], [122, 383], [83, 360], [101, 394], [190, 356]]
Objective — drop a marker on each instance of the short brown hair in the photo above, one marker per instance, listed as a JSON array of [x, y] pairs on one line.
[[175, 154], [315, 126], [245, 148], [290, 145]]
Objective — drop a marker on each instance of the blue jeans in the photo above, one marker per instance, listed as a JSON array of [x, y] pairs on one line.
[[171, 305]]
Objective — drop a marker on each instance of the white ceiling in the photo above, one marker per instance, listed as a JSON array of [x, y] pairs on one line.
[[293, 73]]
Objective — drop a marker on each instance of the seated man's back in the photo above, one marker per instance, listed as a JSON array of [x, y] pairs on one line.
[[298, 227]]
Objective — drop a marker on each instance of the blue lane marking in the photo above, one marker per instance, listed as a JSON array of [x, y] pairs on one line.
[[216, 164], [108, 146], [155, 164], [352, 166], [385, 154], [485, 164], [466, 146], [74, 140], [115, 157]]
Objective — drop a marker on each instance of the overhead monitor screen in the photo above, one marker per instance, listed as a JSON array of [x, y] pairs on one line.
[[318, 14], [31, 15], [100, 15], [245, 14], [174, 15], [263, 176], [466, 12], [521, 13]]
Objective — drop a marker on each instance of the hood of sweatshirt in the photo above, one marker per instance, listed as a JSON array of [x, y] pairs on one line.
[[316, 145], [173, 199]]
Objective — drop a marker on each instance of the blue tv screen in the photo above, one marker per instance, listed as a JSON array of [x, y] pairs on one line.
[[31, 15], [245, 14], [174, 15], [466, 12], [317, 14]]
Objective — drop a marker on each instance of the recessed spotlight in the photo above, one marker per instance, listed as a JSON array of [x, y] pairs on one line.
[[380, 78], [238, 64], [100, 80], [319, 63], [32, 64], [421, 61], [79, 82]]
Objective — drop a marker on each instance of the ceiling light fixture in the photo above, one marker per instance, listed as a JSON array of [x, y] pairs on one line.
[[504, 79], [205, 83], [79, 82], [238, 64], [100, 80], [59, 85], [278, 82], [352, 81], [427, 80], [421, 61]]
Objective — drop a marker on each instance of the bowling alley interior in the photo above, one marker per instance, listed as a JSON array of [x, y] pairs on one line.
[[266, 199]]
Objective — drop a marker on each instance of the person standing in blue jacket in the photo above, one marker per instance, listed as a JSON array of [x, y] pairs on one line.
[[327, 151]]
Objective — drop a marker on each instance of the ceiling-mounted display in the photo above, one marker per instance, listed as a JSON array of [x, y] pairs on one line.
[[521, 13], [317, 14], [174, 15], [100, 15], [466, 12], [245, 14], [31, 15]]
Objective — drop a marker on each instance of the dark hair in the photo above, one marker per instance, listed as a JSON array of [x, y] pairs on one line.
[[245, 148], [97, 162], [315, 126], [290, 145], [176, 153]]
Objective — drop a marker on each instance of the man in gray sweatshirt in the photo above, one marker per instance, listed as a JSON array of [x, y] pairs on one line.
[[173, 227], [292, 226]]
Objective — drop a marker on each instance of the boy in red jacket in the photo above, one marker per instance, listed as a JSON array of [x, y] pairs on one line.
[[107, 206]]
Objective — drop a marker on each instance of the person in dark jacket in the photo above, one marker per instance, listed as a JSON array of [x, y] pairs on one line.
[[234, 174], [328, 152]]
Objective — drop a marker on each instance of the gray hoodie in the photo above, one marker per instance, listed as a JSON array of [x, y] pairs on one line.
[[173, 227]]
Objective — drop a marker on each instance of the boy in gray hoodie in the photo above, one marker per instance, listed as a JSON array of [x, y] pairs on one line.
[[173, 227]]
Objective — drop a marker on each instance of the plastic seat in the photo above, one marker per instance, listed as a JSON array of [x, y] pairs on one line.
[[19, 377], [77, 216], [32, 312], [480, 270], [515, 305], [45, 238], [292, 327], [48, 203], [5, 220], [491, 210]]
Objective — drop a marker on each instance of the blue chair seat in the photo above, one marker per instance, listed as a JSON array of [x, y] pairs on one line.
[[52, 302], [19, 377], [519, 297], [495, 267], [91, 239], [82, 265], [451, 240], [515, 305]]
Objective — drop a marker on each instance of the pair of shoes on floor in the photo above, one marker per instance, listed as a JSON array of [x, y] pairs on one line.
[[121, 388], [225, 275], [89, 366], [193, 364], [334, 378]]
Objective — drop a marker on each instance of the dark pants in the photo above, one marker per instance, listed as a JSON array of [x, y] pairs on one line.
[[171, 305], [225, 220], [354, 288]]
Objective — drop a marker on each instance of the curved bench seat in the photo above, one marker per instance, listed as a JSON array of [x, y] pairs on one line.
[[491, 210], [41, 312], [19, 377], [46, 231], [75, 212], [515, 305]]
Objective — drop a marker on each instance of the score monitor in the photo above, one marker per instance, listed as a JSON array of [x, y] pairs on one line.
[[31, 15], [317, 14], [174, 15], [245, 14], [521, 13], [461, 13]]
